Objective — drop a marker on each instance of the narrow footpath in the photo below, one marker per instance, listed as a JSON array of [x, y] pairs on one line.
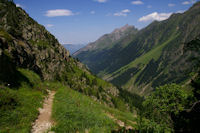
[[44, 122]]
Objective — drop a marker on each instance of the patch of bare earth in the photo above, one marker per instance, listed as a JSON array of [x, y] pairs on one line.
[[44, 121], [120, 123]]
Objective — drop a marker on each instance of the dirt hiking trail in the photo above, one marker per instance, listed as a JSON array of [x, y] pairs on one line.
[[44, 122]]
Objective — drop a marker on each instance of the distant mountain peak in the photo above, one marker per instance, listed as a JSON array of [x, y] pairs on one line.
[[107, 40], [124, 28]]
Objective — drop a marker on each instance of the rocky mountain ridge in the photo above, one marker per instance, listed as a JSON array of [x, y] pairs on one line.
[[107, 40], [29, 44]]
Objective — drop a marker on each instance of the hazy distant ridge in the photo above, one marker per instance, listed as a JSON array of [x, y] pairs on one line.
[[73, 47]]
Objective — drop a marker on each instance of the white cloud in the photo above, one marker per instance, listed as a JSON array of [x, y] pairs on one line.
[[155, 16], [125, 11], [188, 2], [171, 4], [137, 2], [18, 5], [92, 12], [122, 13], [101, 1], [49, 25], [59, 12]]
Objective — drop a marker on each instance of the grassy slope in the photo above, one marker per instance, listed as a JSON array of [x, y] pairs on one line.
[[145, 59], [74, 111], [18, 106], [90, 85], [155, 53]]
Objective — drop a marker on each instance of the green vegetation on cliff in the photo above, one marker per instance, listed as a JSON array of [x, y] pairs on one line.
[[173, 108]]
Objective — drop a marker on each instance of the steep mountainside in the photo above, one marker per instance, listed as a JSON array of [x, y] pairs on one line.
[[152, 57], [95, 54], [26, 44], [30, 45]]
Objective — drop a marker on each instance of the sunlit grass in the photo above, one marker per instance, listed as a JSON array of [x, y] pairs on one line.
[[73, 111]]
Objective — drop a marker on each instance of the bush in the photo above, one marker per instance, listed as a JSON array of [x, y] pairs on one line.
[[164, 103]]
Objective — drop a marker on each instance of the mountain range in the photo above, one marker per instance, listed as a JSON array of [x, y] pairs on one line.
[[141, 60]]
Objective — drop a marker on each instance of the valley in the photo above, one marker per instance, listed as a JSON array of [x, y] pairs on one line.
[[131, 80], [149, 57]]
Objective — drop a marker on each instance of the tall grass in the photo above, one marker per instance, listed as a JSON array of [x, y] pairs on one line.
[[74, 111], [19, 106]]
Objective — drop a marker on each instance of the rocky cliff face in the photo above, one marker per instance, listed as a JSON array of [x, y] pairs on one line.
[[29, 44]]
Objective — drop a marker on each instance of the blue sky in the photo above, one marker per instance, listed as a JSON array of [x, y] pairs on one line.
[[83, 21]]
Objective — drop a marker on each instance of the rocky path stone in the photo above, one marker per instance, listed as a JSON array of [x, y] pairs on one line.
[[44, 122]]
